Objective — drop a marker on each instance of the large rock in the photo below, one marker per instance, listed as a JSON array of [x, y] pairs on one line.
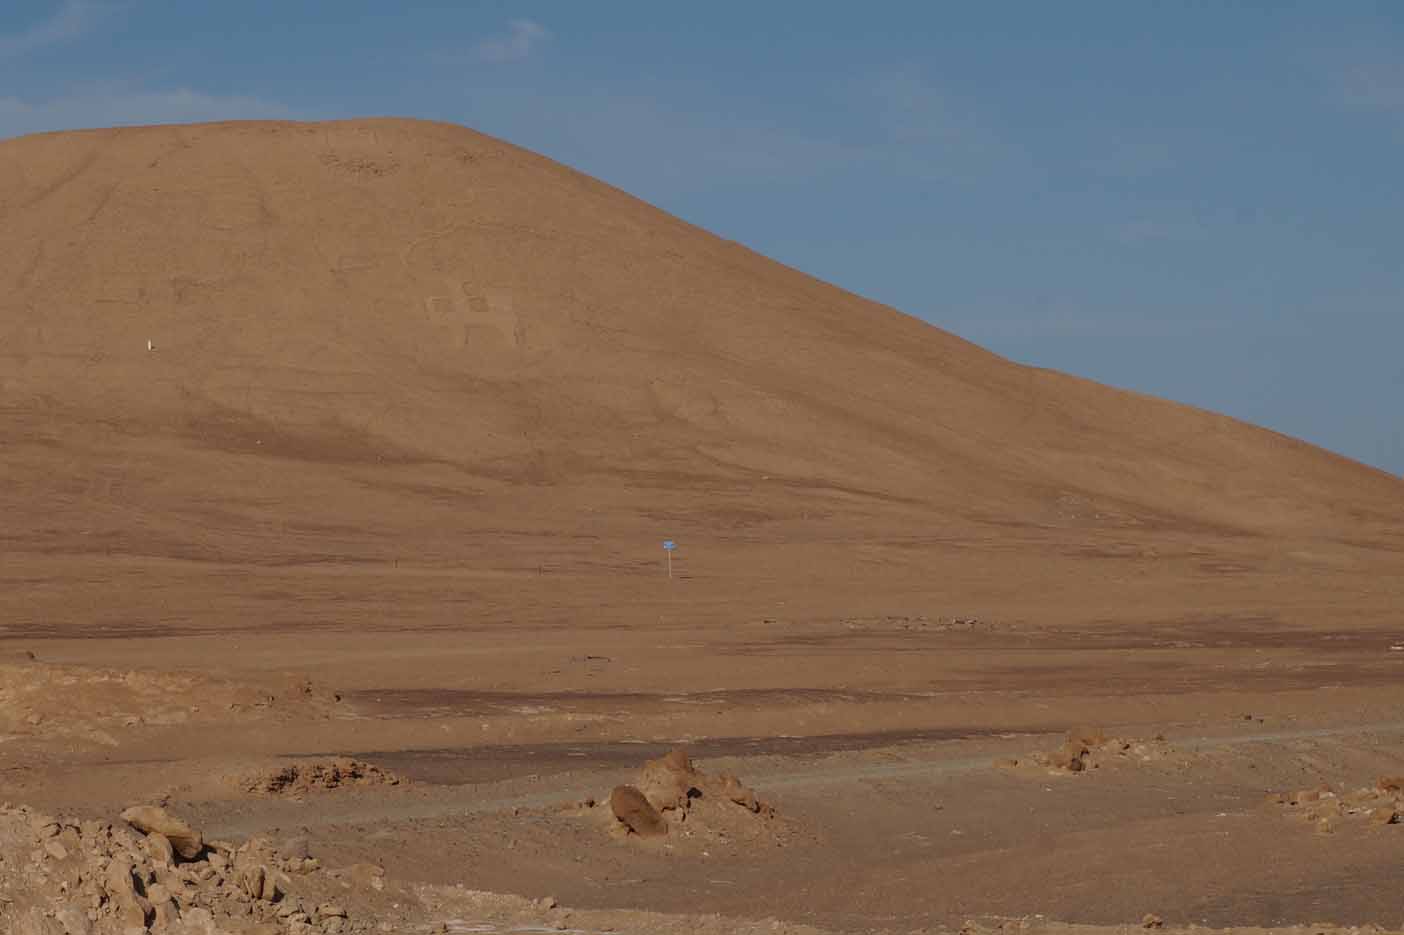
[[149, 819], [635, 812], [668, 781], [132, 908]]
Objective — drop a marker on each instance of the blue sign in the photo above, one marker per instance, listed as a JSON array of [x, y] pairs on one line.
[[669, 544]]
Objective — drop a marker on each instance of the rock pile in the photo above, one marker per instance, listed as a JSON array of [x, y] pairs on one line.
[[1091, 748], [153, 873], [1382, 804], [670, 790], [297, 779]]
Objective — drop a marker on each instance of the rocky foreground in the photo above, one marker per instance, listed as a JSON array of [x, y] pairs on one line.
[[151, 872], [148, 872]]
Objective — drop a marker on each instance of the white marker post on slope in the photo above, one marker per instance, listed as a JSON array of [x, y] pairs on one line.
[[668, 547]]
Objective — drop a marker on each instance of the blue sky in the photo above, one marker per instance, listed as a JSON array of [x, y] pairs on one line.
[[1200, 200]]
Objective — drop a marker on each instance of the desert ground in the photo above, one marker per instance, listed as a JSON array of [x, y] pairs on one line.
[[337, 460]]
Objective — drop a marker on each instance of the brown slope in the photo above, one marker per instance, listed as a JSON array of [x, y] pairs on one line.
[[391, 339]]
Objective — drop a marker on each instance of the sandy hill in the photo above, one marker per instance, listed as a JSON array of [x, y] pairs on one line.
[[386, 344]]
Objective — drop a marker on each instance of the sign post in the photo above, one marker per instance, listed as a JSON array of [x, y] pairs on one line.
[[668, 547]]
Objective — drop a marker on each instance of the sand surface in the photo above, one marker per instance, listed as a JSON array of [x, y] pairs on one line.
[[337, 459]]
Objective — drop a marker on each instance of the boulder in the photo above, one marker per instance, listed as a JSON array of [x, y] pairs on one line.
[[668, 781], [633, 810], [150, 819]]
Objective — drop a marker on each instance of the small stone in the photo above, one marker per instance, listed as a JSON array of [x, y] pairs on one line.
[[738, 793], [1151, 921], [132, 909], [160, 849], [55, 850], [74, 921], [199, 920], [270, 891], [251, 881], [1385, 815], [546, 903], [165, 914]]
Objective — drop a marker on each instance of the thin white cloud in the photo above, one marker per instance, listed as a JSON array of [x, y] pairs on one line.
[[522, 36], [72, 20], [111, 106]]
